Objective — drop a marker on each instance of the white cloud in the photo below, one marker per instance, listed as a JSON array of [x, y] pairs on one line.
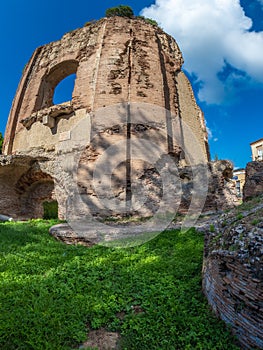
[[211, 33], [211, 134]]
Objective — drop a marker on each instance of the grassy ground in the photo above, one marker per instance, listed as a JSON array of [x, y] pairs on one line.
[[50, 293]]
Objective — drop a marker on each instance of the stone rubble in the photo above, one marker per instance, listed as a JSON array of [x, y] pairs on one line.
[[4, 218]]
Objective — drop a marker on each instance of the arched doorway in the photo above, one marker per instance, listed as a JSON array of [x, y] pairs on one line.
[[36, 190]]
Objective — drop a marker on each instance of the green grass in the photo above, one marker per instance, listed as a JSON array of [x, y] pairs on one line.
[[51, 293], [239, 216]]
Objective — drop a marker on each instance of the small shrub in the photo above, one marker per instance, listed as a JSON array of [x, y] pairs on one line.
[[149, 20], [212, 228], [121, 11], [255, 222], [224, 223], [240, 216]]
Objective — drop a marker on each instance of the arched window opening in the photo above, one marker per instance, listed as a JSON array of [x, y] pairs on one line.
[[57, 86], [64, 89]]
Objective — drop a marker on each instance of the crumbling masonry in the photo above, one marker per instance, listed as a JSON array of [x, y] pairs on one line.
[[122, 63]]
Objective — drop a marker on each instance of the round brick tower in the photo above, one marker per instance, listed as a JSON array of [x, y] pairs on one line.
[[131, 104], [116, 60]]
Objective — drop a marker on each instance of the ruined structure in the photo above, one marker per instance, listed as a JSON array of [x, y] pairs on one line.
[[116, 60], [233, 263], [254, 180], [126, 64], [233, 272]]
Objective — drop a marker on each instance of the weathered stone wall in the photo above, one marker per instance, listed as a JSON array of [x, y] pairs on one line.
[[24, 187], [254, 180], [221, 192], [10, 172], [27, 182], [129, 88], [116, 60], [233, 272], [233, 268], [215, 178]]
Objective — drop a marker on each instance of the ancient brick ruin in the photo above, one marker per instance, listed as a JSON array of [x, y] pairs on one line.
[[254, 180], [129, 87], [116, 60], [233, 268], [233, 274]]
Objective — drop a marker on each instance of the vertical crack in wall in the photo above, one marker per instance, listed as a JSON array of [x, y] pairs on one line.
[[181, 135], [181, 140], [128, 136], [167, 102], [97, 64]]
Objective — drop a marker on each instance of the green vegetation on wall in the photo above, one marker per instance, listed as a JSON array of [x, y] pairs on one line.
[[149, 20], [126, 11], [121, 10]]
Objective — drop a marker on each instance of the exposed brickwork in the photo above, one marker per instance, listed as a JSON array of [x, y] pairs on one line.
[[120, 62], [254, 180], [233, 273], [23, 187], [117, 60]]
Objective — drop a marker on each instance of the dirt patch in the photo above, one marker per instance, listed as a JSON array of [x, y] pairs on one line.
[[102, 340]]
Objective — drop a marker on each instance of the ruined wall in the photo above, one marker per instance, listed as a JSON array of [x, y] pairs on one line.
[[10, 172], [116, 60], [219, 189], [232, 267], [129, 91], [254, 180], [24, 187], [233, 272]]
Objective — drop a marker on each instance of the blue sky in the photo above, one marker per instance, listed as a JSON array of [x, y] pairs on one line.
[[221, 41]]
